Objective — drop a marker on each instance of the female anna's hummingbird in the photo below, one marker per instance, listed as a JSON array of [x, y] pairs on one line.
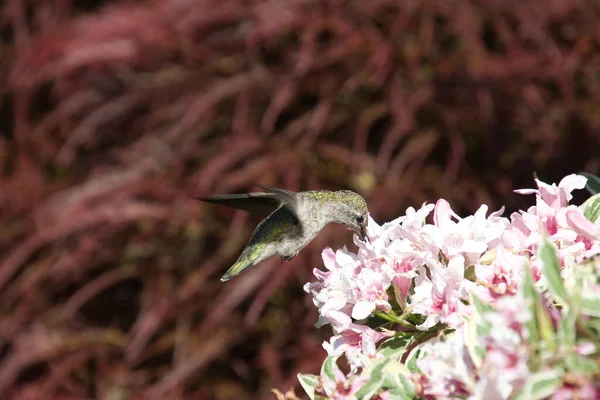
[[294, 220]]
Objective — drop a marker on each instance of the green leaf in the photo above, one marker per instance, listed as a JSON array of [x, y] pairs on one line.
[[328, 373], [577, 363], [593, 324], [375, 381], [397, 381], [411, 361], [408, 386], [477, 328], [566, 327], [593, 183], [531, 297], [551, 271], [539, 327], [541, 385], [329, 368], [481, 306], [398, 396], [590, 304], [545, 326], [308, 383], [591, 209], [395, 347], [475, 331]]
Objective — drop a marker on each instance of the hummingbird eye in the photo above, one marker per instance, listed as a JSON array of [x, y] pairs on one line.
[[360, 219]]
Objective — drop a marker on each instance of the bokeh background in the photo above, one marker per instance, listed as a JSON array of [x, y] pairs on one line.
[[114, 115]]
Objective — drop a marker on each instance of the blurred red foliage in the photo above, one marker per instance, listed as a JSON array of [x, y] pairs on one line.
[[114, 115]]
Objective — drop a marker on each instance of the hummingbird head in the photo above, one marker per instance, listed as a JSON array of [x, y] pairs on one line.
[[351, 210]]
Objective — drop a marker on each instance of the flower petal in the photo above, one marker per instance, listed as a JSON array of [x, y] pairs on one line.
[[362, 309], [582, 225]]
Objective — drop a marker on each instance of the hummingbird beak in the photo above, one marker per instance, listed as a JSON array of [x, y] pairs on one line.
[[363, 232]]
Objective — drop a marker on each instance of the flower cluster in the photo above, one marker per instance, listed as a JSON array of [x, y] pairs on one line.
[[450, 364], [479, 303]]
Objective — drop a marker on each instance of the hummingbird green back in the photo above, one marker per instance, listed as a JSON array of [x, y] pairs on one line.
[[265, 241]]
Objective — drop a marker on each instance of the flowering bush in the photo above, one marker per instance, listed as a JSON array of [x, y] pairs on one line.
[[475, 307]]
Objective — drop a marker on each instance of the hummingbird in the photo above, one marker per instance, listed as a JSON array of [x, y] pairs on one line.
[[293, 220]]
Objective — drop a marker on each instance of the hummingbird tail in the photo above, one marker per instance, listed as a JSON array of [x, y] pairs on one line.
[[248, 259], [236, 269]]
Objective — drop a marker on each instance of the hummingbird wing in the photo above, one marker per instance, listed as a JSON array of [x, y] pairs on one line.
[[266, 241], [287, 197], [258, 203]]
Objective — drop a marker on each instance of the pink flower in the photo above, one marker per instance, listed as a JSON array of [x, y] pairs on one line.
[[447, 369], [554, 196], [467, 237], [565, 225], [582, 225], [386, 395], [585, 348], [342, 387], [439, 298], [424, 266], [354, 285], [440, 295], [580, 391], [504, 370], [403, 278], [503, 275], [371, 293], [356, 342]]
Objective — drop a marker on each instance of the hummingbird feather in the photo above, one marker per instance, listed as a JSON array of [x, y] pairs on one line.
[[256, 203], [246, 260], [263, 242], [285, 196]]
